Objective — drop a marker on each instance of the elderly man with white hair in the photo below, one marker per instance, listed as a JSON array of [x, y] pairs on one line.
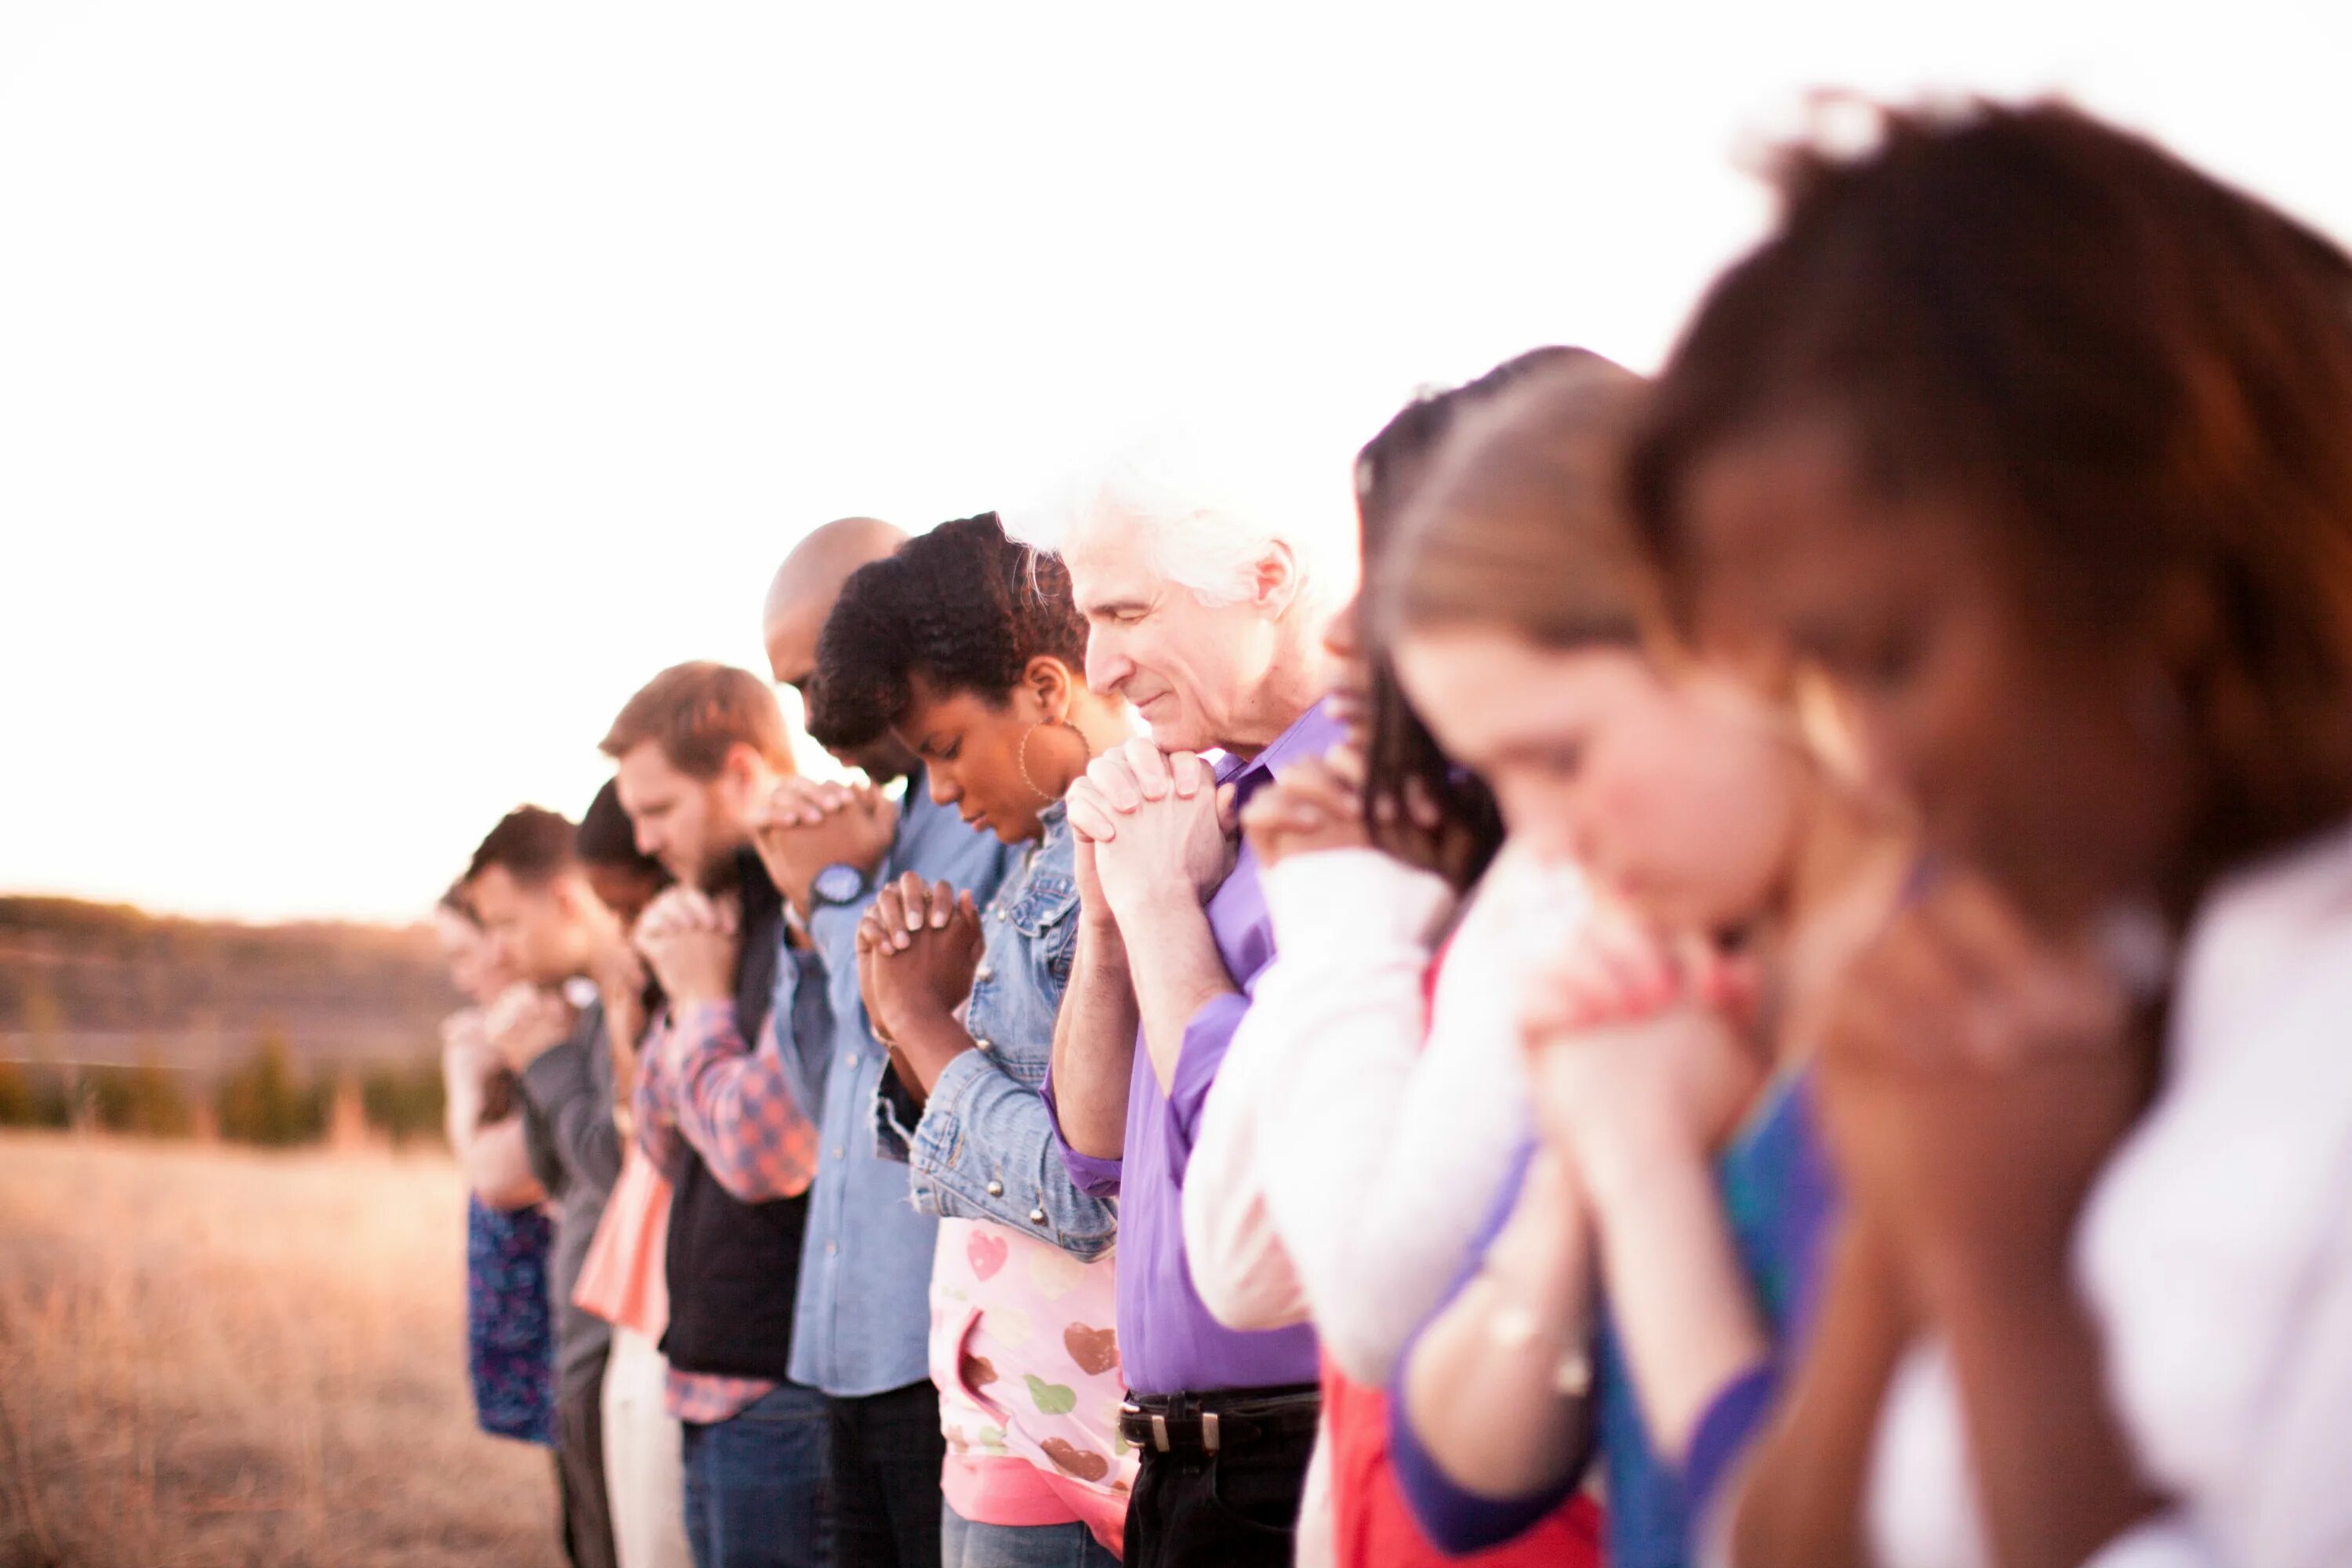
[[1205, 604]]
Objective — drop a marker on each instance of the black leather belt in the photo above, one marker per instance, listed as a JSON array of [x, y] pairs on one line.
[[1208, 1422]]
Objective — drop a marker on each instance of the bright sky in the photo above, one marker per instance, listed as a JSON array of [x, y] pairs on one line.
[[387, 390]]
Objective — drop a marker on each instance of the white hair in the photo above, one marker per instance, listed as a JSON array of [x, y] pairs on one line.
[[1203, 513]]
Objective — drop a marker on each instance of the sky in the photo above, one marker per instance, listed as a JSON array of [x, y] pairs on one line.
[[387, 391]]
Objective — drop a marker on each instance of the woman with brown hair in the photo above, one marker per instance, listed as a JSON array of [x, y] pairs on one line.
[[2039, 442], [1674, 1160]]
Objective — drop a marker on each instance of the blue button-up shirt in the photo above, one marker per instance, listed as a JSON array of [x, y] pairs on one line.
[[1168, 1341], [863, 1319]]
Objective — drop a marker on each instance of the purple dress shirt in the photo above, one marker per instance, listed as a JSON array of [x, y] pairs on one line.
[[1167, 1342]]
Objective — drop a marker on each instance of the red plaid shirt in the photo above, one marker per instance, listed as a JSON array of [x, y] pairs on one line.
[[701, 1087]]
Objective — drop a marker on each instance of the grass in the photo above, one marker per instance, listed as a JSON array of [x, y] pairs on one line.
[[210, 1357]]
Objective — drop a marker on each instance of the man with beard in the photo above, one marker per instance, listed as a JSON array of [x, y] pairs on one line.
[[724, 1109]]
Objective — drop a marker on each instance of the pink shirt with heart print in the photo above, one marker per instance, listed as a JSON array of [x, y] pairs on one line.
[[1026, 1353]]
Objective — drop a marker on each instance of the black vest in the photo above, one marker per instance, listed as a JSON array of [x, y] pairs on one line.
[[734, 1267]]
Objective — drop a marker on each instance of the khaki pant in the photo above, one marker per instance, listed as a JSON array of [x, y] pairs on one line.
[[643, 1475]]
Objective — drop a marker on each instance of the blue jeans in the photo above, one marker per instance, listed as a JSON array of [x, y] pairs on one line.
[[755, 1485], [963, 1544]]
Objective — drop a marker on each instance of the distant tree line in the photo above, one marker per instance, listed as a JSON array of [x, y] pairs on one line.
[[264, 1101]]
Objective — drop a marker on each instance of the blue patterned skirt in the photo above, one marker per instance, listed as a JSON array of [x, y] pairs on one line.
[[509, 1332]]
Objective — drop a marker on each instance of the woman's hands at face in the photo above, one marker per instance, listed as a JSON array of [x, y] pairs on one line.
[[1974, 1076], [1638, 1050]]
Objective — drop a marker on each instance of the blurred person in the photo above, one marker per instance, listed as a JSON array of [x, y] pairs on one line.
[[2035, 438], [1675, 1168], [967, 648], [721, 1110], [860, 1333], [532, 894], [621, 1278], [1204, 603], [1388, 1086], [509, 1326]]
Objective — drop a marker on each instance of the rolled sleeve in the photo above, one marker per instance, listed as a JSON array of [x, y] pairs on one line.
[[1729, 1423], [1097, 1178], [986, 1149], [1206, 1040]]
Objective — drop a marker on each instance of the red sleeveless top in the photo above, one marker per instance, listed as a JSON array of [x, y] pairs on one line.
[[1372, 1525]]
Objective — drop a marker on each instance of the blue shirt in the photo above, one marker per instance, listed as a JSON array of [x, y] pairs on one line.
[[863, 1321], [1169, 1343], [982, 1145], [1779, 1200]]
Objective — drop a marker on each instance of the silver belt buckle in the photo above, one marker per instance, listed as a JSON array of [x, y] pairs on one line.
[[1160, 1431], [1209, 1430]]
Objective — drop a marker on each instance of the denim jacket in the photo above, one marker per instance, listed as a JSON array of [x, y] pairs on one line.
[[984, 1147]]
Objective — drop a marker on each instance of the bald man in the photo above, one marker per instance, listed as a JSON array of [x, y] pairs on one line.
[[861, 1329]]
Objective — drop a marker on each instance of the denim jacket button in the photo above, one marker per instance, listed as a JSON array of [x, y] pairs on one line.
[[1036, 1216], [980, 1044], [982, 974], [996, 1189]]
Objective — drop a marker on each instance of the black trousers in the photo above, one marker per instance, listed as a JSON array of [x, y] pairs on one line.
[[887, 1454], [580, 1474], [1238, 1508]]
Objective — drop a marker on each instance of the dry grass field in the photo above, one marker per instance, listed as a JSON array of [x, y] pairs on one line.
[[210, 1357]]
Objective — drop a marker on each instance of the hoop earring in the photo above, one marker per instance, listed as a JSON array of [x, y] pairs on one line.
[[1021, 755]]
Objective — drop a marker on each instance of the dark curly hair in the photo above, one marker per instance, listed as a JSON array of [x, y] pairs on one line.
[[962, 604]]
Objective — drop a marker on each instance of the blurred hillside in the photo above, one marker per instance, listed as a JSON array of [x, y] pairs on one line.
[[107, 984]]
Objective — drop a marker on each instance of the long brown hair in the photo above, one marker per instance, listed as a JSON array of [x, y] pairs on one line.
[[1519, 527], [2127, 373]]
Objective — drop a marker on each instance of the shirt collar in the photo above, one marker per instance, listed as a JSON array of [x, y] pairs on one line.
[[1311, 734]]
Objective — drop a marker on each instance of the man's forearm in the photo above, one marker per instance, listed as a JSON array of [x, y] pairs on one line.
[[1094, 1046], [1180, 973]]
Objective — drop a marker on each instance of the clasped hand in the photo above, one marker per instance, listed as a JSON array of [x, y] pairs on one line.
[[1974, 1076], [1638, 1049], [526, 1022], [810, 824], [1315, 804], [918, 948], [691, 940], [1150, 825]]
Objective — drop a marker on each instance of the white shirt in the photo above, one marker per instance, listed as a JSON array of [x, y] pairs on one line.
[[2215, 1254]]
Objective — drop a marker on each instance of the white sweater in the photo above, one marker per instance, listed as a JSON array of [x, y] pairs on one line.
[[2216, 1256], [1356, 1141]]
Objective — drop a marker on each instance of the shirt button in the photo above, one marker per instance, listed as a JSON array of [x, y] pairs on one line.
[[982, 973], [996, 1189], [980, 1046], [839, 1152], [1036, 1216], [1001, 915], [831, 1248]]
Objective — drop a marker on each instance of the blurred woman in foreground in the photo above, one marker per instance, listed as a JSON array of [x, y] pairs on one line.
[[1675, 1161], [2040, 443]]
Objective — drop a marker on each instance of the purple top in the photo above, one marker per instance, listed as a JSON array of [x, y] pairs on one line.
[[1167, 1342]]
